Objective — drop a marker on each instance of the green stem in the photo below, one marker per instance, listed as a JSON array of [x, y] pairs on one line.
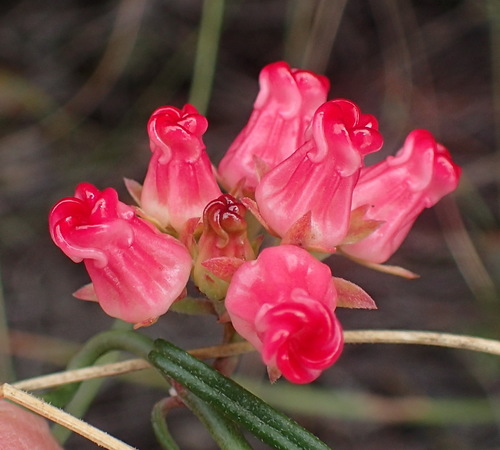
[[6, 366], [193, 306], [77, 397], [160, 427], [102, 343], [206, 54], [82, 396]]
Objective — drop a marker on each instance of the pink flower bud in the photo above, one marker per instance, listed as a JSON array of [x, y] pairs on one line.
[[284, 303], [22, 430], [223, 242], [136, 271], [180, 180], [307, 198], [282, 111], [398, 189]]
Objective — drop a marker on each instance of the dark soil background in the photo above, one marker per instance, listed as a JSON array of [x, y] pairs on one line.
[[78, 81]]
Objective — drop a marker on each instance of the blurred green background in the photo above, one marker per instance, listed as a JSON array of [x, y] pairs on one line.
[[78, 81]]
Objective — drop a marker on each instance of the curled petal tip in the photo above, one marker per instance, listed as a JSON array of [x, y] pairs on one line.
[[397, 190], [282, 112], [283, 303], [136, 272]]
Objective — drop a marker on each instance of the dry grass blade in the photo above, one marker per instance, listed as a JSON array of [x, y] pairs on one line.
[[351, 337], [62, 418], [77, 375], [120, 368], [423, 338]]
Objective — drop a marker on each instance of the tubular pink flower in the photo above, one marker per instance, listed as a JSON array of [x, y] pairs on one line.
[[398, 189], [307, 198], [136, 272], [282, 111], [180, 180], [284, 303], [23, 430]]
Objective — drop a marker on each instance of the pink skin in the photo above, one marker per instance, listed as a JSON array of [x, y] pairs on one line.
[[23, 430], [136, 272], [282, 111], [180, 180], [319, 178], [398, 189], [283, 303]]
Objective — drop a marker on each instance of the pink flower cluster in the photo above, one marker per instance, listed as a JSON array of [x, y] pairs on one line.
[[296, 171]]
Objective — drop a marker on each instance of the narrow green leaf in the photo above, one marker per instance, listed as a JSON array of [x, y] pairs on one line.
[[269, 425]]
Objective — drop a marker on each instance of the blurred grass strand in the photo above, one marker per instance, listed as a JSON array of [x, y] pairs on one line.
[[464, 252], [457, 237], [322, 35], [206, 54], [175, 71], [110, 67], [313, 401], [493, 15], [42, 348], [65, 118], [393, 33], [300, 15], [6, 366]]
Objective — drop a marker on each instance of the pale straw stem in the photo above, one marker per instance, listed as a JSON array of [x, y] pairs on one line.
[[59, 416]]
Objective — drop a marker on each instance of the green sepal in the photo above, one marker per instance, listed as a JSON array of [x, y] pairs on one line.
[[193, 306]]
